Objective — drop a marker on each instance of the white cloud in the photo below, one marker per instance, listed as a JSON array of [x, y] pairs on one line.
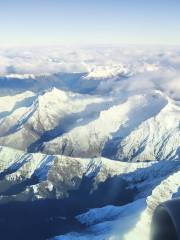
[[146, 68]]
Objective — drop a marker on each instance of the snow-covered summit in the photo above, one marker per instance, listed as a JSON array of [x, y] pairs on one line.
[[139, 127], [89, 140], [105, 72]]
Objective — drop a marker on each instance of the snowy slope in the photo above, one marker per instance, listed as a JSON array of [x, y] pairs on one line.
[[166, 190], [94, 131], [131, 221], [145, 127], [10, 103], [155, 139], [44, 171], [138, 127], [44, 112], [108, 223], [41, 174], [105, 72]]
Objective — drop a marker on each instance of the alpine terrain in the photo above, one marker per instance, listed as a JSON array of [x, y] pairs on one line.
[[89, 141]]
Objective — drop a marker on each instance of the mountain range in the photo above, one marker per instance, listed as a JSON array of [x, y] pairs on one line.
[[88, 154]]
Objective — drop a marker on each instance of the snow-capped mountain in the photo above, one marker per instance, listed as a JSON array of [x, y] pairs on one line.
[[37, 177], [89, 144], [137, 119], [51, 171], [131, 221], [138, 127], [29, 118]]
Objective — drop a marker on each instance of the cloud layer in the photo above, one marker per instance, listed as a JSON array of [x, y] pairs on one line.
[[117, 68]]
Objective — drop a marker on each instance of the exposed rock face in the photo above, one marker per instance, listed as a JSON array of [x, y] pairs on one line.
[[71, 185], [140, 127], [88, 149]]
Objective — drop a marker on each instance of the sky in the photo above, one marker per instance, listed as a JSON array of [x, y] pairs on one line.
[[83, 22]]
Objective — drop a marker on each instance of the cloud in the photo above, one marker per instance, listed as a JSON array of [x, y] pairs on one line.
[[118, 69]]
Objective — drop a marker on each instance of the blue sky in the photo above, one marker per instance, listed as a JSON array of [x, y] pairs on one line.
[[48, 22]]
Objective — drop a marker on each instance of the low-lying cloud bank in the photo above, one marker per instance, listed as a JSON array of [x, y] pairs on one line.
[[117, 68]]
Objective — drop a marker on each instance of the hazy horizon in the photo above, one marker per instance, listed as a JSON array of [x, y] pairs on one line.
[[44, 23]]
